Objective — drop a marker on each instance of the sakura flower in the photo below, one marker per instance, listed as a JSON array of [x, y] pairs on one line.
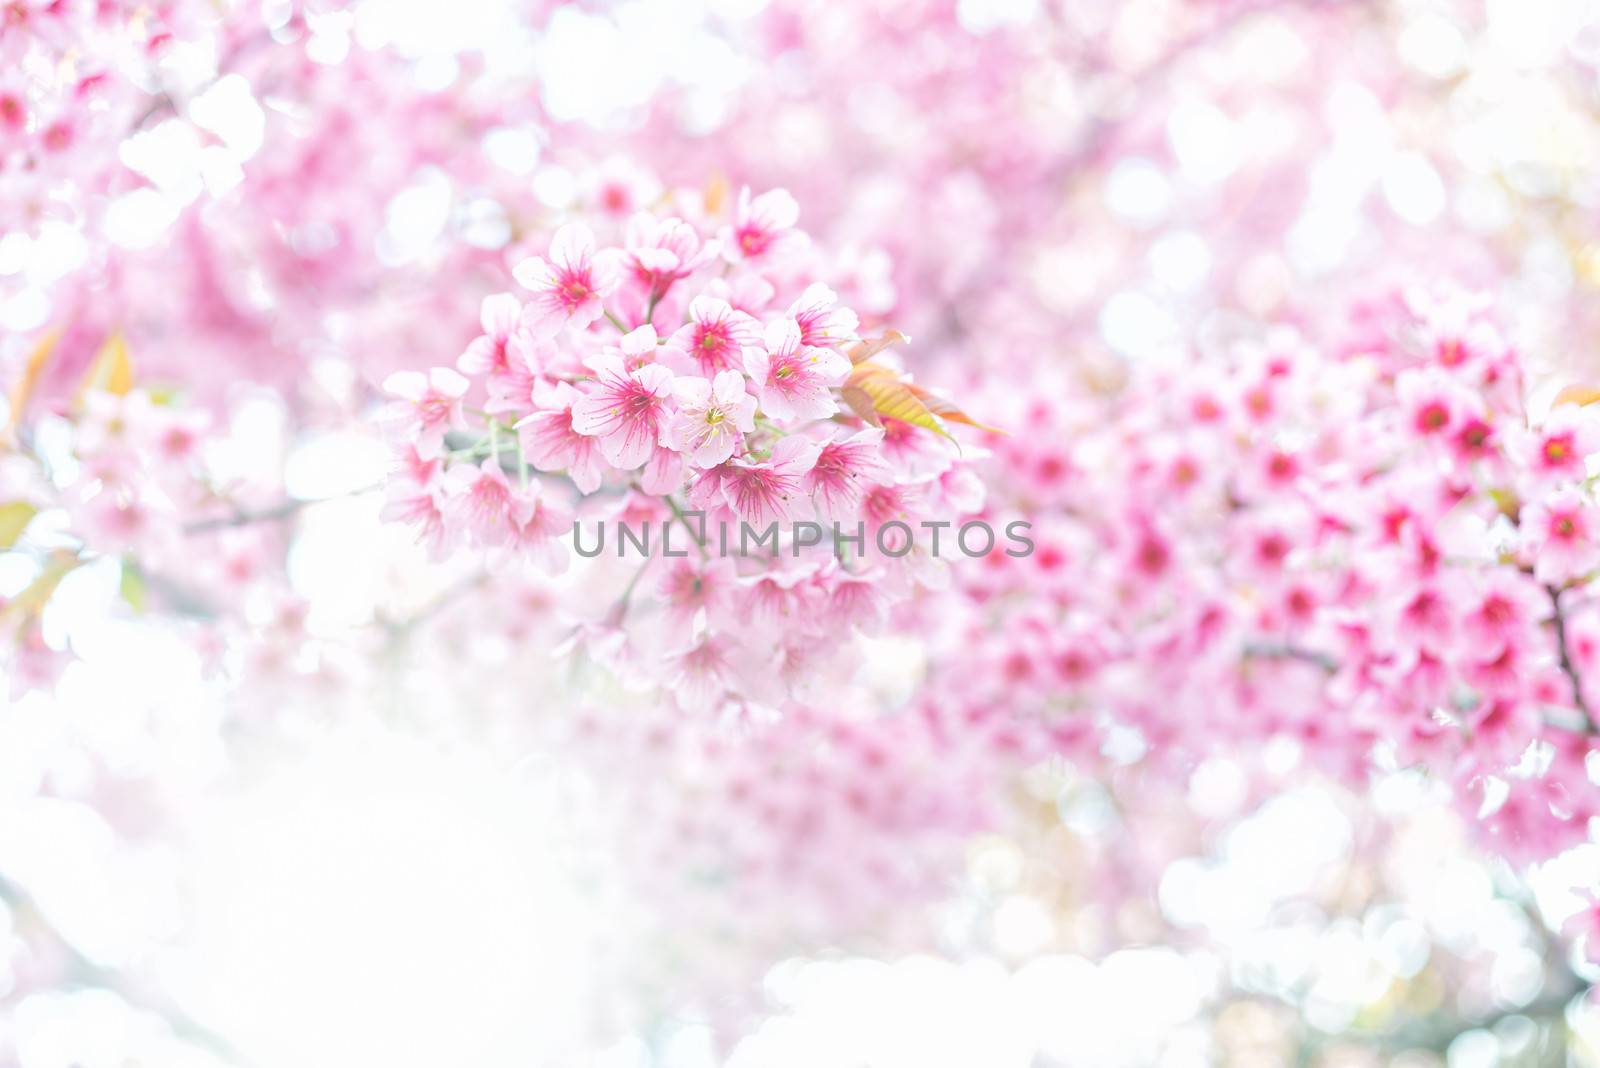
[[746, 292], [889, 504], [712, 417], [663, 472], [1584, 926], [480, 502], [792, 380], [914, 453], [507, 354], [542, 521], [1559, 533], [714, 338], [765, 492], [499, 316], [428, 406], [642, 346], [777, 598], [658, 252], [1507, 605], [571, 287], [417, 506], [691, 586], [712, 669], [411, 498], [626, 410], [856, 600], [845, 465], [551, 444], [1559, 449], [1431, 403], [820, 322], [763, 226], [1473, 438], [619, 187], [705, 492]]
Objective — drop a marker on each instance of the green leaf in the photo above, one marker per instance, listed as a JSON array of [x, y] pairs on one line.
[[132, 586]]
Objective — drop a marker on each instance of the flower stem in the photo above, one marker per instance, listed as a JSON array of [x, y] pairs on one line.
[[678, 514]]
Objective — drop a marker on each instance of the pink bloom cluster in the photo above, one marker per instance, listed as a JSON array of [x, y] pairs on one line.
[[1382, 557], [1371, 553], [689, 377]]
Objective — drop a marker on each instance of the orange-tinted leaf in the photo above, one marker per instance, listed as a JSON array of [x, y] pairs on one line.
[[22, 390], [867, 348], [892, 398], [948, 411], [1578, 394], [31, 601], [860, 402], [110, 371], [14, 519], [717, 192]]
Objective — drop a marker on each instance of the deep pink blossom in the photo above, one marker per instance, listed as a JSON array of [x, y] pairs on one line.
[[625, 410], [793, 380], [846, 465], [714, 338], [771, 490], [569, 289], [763, 226], [551, 443]]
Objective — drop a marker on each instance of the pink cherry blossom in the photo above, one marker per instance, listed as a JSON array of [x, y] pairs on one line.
[[821, 322], [542, 521], [1562, 534], [846, 465], [793, 380], [712, 417], [625, 410], [481, 501], [659, 252], [430, 403], [691, 586], [551, 443], [767, 491], [1558, 449], [570, 289], [763, 226], [714, 338]]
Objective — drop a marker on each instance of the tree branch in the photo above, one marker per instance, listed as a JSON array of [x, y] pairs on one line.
[[85, 972], [1568, 666]]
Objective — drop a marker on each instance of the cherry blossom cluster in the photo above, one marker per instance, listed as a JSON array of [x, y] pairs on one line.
[[1380, 553], [1365, 546], [694, 372]]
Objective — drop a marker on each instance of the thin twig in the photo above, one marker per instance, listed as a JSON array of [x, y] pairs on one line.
[[1288, 651], [1568, 666], [284, 509]]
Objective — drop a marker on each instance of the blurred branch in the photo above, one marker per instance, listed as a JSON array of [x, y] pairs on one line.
[[398, 629], [1289, 651], [1568, 667], [84, 972], [243, 516]]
